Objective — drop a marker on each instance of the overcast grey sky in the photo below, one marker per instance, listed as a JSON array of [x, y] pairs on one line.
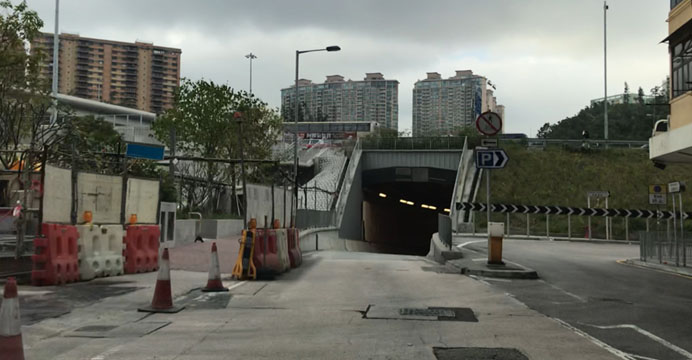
[[545, 56]]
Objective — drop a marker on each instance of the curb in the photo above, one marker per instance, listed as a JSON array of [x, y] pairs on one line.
[[520, 271], [658, 267], [543, 238]]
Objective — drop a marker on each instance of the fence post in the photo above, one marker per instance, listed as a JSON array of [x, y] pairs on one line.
[[528, 226], [627, 229], [547, 226], [507, 227], [569, 226]]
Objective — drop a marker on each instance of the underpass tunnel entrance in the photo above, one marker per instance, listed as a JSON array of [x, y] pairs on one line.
[[401, 207]]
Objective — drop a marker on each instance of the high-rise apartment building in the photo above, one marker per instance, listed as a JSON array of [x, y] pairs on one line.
[[137, 75], [374, 99], [442, 106]]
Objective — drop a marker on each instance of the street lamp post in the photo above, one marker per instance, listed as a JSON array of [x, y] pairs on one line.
[[251, 56], [294, 208], [56, 60], [605, 71]]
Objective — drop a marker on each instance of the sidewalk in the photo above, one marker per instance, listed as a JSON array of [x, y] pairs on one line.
[[338, 305]]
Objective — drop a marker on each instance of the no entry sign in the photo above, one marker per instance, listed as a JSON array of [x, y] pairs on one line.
[[489, 123]]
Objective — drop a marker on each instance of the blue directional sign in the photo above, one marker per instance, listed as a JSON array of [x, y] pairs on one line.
[[144, 151], [491, 159]]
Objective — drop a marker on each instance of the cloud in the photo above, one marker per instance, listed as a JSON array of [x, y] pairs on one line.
[[546, 56]]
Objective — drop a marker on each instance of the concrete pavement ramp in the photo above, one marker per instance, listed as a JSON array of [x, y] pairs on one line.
[[195, 256]]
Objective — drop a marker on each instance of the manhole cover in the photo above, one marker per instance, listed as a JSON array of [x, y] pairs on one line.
[[464, 353], [94, 328], [425, 314]]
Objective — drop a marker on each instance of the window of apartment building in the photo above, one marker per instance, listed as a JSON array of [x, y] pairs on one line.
[[682, 65]]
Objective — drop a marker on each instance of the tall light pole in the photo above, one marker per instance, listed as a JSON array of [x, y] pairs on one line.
[[605, 71], [295, 130], [251, 56], [56, 56]]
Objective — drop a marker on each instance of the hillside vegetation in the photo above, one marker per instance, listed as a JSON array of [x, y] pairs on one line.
[[561, 176]]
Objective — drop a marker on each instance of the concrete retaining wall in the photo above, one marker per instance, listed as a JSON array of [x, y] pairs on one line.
[[218, 229], [309, 219], [328, 239], [185, 232]]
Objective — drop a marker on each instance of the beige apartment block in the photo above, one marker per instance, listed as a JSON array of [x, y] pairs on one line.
[[444, 106], [138, 75], [671, 140], [373, 99]]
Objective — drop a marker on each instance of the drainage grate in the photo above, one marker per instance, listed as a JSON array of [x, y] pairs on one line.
[[427, 312], [95, 328], [462, 353]]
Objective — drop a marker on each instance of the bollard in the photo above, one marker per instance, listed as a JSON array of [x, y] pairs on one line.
[[317, 241], [495, 234]]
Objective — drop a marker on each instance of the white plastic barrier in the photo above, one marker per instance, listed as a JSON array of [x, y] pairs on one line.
[[100, 251], [282, 245]]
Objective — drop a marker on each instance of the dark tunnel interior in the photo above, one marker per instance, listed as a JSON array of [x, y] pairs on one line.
[[399, 217]]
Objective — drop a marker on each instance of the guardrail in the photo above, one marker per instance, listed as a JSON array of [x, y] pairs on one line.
[[579, 143], [413, 143], [458, 142]]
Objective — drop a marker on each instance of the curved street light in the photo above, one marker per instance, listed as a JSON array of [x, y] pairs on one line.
[[294, 208]]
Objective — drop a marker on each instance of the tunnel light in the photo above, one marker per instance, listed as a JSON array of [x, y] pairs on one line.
[[447, 210], [403, 201], [383, 195], [425, 206], [409, 203], [432, 207]]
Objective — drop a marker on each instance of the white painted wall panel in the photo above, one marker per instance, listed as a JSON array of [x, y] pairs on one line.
[[100, 194], [142, 199], [57, 194]]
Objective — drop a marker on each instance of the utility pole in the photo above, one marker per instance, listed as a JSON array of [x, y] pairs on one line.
[[251, 56], [56, 59], [605, 70]]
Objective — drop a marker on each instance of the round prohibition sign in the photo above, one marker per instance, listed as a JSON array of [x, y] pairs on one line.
[[489, 123]]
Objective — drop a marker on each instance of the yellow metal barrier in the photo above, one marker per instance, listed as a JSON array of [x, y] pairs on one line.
[[244, 268]]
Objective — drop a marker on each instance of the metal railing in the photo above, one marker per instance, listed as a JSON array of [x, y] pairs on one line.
[[413, 143], [586, 143], [660, 247], [458, 183]]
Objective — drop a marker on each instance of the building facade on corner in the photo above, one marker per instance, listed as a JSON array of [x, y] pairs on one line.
[[443, 106], [137, 75], [672, 141], [373, 99]]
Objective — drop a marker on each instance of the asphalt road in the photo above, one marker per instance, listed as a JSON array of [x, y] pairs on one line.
[[641, 312]]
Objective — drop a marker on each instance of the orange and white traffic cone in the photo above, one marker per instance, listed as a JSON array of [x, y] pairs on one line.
[[11, 347], [163, 299], [214, 283]]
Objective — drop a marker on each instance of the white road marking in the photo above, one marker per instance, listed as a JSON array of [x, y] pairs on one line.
[[236, 285], [621, 354], [469, 242], [651, 336], [564, 291], [479, 259]]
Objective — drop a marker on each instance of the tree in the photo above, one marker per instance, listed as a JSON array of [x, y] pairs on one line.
[[204, 126], [626, 96], [627, 121], [24, 94], [90, 141], [640, 96]]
